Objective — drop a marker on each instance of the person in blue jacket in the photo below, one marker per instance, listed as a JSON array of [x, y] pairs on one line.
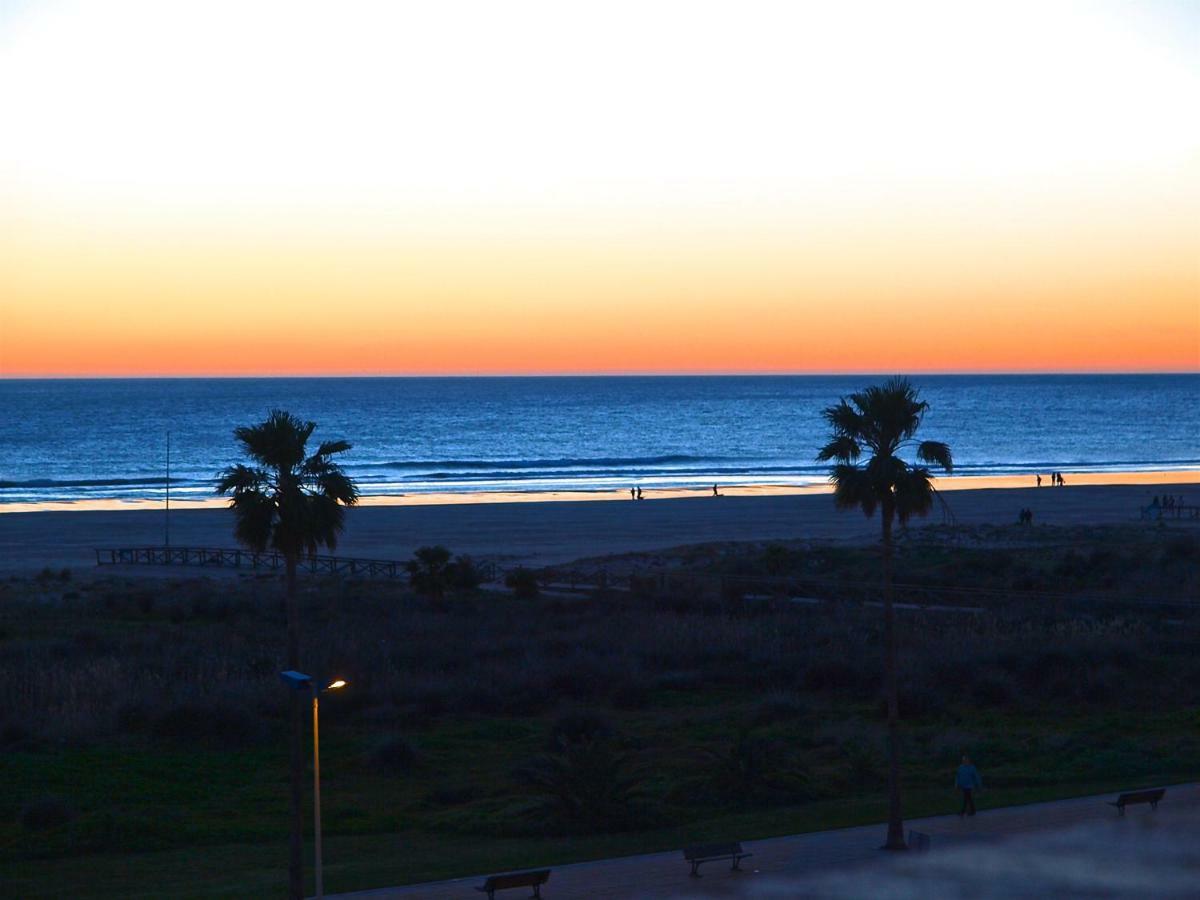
[[967, 780]]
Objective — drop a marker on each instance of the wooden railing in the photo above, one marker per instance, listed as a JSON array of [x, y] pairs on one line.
[[273, 560], [1177, 511]]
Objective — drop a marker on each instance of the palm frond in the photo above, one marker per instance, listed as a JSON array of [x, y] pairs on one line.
[[935, 453], [844, 420], [254, 516], [326, 518], [336, 485], [328, 448], [278, 442], [238, 479], [852, 488], [843, 448], [913, 493]]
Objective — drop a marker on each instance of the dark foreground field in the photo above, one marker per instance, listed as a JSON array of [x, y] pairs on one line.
[[143, 747]]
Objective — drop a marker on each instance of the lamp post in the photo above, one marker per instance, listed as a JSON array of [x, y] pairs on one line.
[[299, 681]]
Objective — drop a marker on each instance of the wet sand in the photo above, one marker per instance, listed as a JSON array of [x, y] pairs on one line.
[[955, 483], [571, 529]]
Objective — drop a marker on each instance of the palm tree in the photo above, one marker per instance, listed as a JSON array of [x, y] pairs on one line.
[[294, 503], [881, 421]]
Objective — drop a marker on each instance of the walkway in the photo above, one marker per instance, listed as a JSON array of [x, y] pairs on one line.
[[779, 864]]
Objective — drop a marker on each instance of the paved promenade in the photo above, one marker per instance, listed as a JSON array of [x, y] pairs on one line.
[[803, 865]]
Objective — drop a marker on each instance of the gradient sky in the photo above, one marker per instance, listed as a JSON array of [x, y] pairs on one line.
[[393, 188]]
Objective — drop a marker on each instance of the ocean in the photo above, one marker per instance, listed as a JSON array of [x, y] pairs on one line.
[[70, 440]]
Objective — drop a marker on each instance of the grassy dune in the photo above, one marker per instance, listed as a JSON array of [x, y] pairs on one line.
[[143, 734]]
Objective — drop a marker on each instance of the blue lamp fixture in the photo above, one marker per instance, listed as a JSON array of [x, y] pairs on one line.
[[298, 681]]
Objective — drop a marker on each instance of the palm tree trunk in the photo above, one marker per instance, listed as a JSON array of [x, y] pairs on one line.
[[296, 741], [895, 832]]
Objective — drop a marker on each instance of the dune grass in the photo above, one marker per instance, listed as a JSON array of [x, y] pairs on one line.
[[144, 755]]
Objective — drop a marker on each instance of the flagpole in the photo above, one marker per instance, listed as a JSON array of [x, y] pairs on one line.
[[168, 516]]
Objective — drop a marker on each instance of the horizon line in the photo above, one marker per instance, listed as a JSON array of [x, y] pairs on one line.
[[600, 374]]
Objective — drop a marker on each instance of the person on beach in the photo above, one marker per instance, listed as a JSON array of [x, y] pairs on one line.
[[1062, 482], [1039, 480], [632, 493], [639, 493], [716, 493], [967, 780]]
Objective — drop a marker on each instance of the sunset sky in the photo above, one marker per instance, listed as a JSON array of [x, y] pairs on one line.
[[469, 188]]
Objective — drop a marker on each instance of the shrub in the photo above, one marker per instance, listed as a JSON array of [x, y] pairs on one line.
[[522, 582], [220, 723], [916, 699], [464, 574], [630, 693], [836, 675], [992, 689], [758, 770], [14, 734], [1180, 547], [588, 781], [778, 707], [864, 768], [430, 571], [45, 813], [579, 727], [394, 755], [776, 559]]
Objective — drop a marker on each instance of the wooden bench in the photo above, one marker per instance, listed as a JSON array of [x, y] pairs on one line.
[[702, 853], [1128, 798], [533, 879]]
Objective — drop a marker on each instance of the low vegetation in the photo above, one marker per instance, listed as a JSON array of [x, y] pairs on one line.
[[520, 728]]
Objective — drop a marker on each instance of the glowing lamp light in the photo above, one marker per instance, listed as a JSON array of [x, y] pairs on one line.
[[298, 681]]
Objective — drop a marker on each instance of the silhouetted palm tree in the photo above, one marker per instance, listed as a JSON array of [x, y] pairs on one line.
[[880, 422], [294, 503]]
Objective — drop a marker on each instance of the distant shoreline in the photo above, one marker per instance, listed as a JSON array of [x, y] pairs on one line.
[[459, 498]]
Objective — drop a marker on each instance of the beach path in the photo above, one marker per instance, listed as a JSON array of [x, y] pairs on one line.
[[792, 860]]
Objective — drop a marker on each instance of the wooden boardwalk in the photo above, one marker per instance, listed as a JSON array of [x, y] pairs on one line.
[[271, 560]]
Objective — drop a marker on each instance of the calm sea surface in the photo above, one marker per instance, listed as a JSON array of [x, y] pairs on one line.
[[87, 439]]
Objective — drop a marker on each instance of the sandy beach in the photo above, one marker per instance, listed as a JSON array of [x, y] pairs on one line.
[[538, 533]]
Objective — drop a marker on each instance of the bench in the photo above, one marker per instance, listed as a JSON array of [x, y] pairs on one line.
[[1128, 798], [702, 853], [533, 879]]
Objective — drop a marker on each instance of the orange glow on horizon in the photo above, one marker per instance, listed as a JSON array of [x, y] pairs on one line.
[[851, 190]]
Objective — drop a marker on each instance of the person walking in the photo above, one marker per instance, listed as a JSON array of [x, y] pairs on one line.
[[967, 780], [1039, 480]]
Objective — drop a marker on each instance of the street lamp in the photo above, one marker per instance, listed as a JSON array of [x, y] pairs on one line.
[[299, 681]]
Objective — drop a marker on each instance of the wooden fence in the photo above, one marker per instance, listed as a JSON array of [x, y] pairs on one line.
[[273, 560]]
